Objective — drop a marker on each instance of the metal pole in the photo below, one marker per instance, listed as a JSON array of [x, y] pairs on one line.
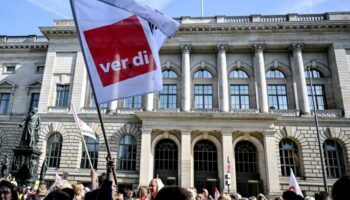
[[318, 132], [202, 8], [109, 156]]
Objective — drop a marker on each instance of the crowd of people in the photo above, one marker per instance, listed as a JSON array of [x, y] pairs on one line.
[[156, 190]]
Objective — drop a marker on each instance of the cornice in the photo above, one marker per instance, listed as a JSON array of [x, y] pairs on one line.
[[286, 27], [59, 31], [35, 46]]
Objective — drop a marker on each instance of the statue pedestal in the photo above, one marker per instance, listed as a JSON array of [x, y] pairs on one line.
[[25, 165]]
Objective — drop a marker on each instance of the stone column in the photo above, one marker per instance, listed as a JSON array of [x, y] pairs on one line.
[[78, 89], [149, 102], [146, 168], [272, 182], [260, 75], [112, 106], [47, 90], [186, 159], [227, 153], [303, 101], [223, 82], [186, 78]]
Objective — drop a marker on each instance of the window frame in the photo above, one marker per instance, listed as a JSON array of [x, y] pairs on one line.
[[340, 167], [31, 100], [240, 96], [65, 92], [136, 102], [284, 155], [277, 96], [129, 163], [90, 144], [54, 160], [168, 96], [203, 95], [8, 100]]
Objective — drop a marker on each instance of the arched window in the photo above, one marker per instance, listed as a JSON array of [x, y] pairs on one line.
[[274, 73], [169, 74], [166, 160], [289, 157], [205, 161], [314, 73], [237, 73], [93, 148], [127, 153], [277, 90], [246, 158], [202, 73], [318, 89], [334, 159], [53, 150]]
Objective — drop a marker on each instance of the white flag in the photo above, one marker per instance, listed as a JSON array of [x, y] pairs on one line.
[[84, 128], [120, 47], [58, 179], [293, 184]]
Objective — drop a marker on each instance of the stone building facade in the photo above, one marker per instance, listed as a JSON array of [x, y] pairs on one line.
[[236, 90]]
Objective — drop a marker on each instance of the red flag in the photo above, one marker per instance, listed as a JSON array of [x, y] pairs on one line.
[[216, 193]]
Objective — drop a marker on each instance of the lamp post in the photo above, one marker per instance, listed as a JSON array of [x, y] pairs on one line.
[[317, 130]]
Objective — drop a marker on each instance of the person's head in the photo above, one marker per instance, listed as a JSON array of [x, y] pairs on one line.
[[200, 196], [205, 192], [173, 193], [79, 189], [7, 191], [321, 196], [234, 196], [261, 197], [58, 195], [289, 195], [101, 178], [68, 191], [224, 196], [143, 191], [341, 188], [155, 185], [129, 192]]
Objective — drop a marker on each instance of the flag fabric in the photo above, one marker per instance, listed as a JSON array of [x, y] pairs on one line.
[[120, 47], [84, 128], [58, 179], [166, 24], [293, 184], [216, 193]]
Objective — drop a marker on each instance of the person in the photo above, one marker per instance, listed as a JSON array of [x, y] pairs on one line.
[[31, 129], [341, 188], [92, 195], [224, 196], [129, 194], [58, 195], [154, 186], [7, 191], [108, 189], [321, 196], [5, 167], [200, 196], [79, 191], [173, 193], [143, 193]]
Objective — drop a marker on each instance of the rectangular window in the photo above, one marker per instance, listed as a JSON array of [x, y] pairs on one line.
[[167, 97], [203, 96], [4, 102], [62, 92], [9, 69], [92, 103], [133, 102], [277, 97], [320, 97], [34, 101], [39, 69], [239, 96]]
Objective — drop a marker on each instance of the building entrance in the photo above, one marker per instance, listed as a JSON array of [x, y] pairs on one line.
[[248, 176], [205, 166], [166, 162]]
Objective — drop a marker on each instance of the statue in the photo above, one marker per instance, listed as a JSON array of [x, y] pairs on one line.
[[5, 166], [30, 135]]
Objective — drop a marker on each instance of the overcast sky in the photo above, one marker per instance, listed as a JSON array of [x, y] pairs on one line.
[[23, 17]]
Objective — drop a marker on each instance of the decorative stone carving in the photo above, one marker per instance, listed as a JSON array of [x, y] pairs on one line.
[[258, 47], [297, 46], [186, 48]]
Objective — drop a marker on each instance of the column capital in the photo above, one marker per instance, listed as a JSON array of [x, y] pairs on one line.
[[258, 47], [186, 47], [145, 130], [221, 48], [296, 47]]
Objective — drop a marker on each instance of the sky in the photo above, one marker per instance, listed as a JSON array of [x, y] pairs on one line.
[[24, 17]]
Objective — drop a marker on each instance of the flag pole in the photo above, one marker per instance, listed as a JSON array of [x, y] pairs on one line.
[[202, 8], [109, 156], [84, 143], [318, 132]]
